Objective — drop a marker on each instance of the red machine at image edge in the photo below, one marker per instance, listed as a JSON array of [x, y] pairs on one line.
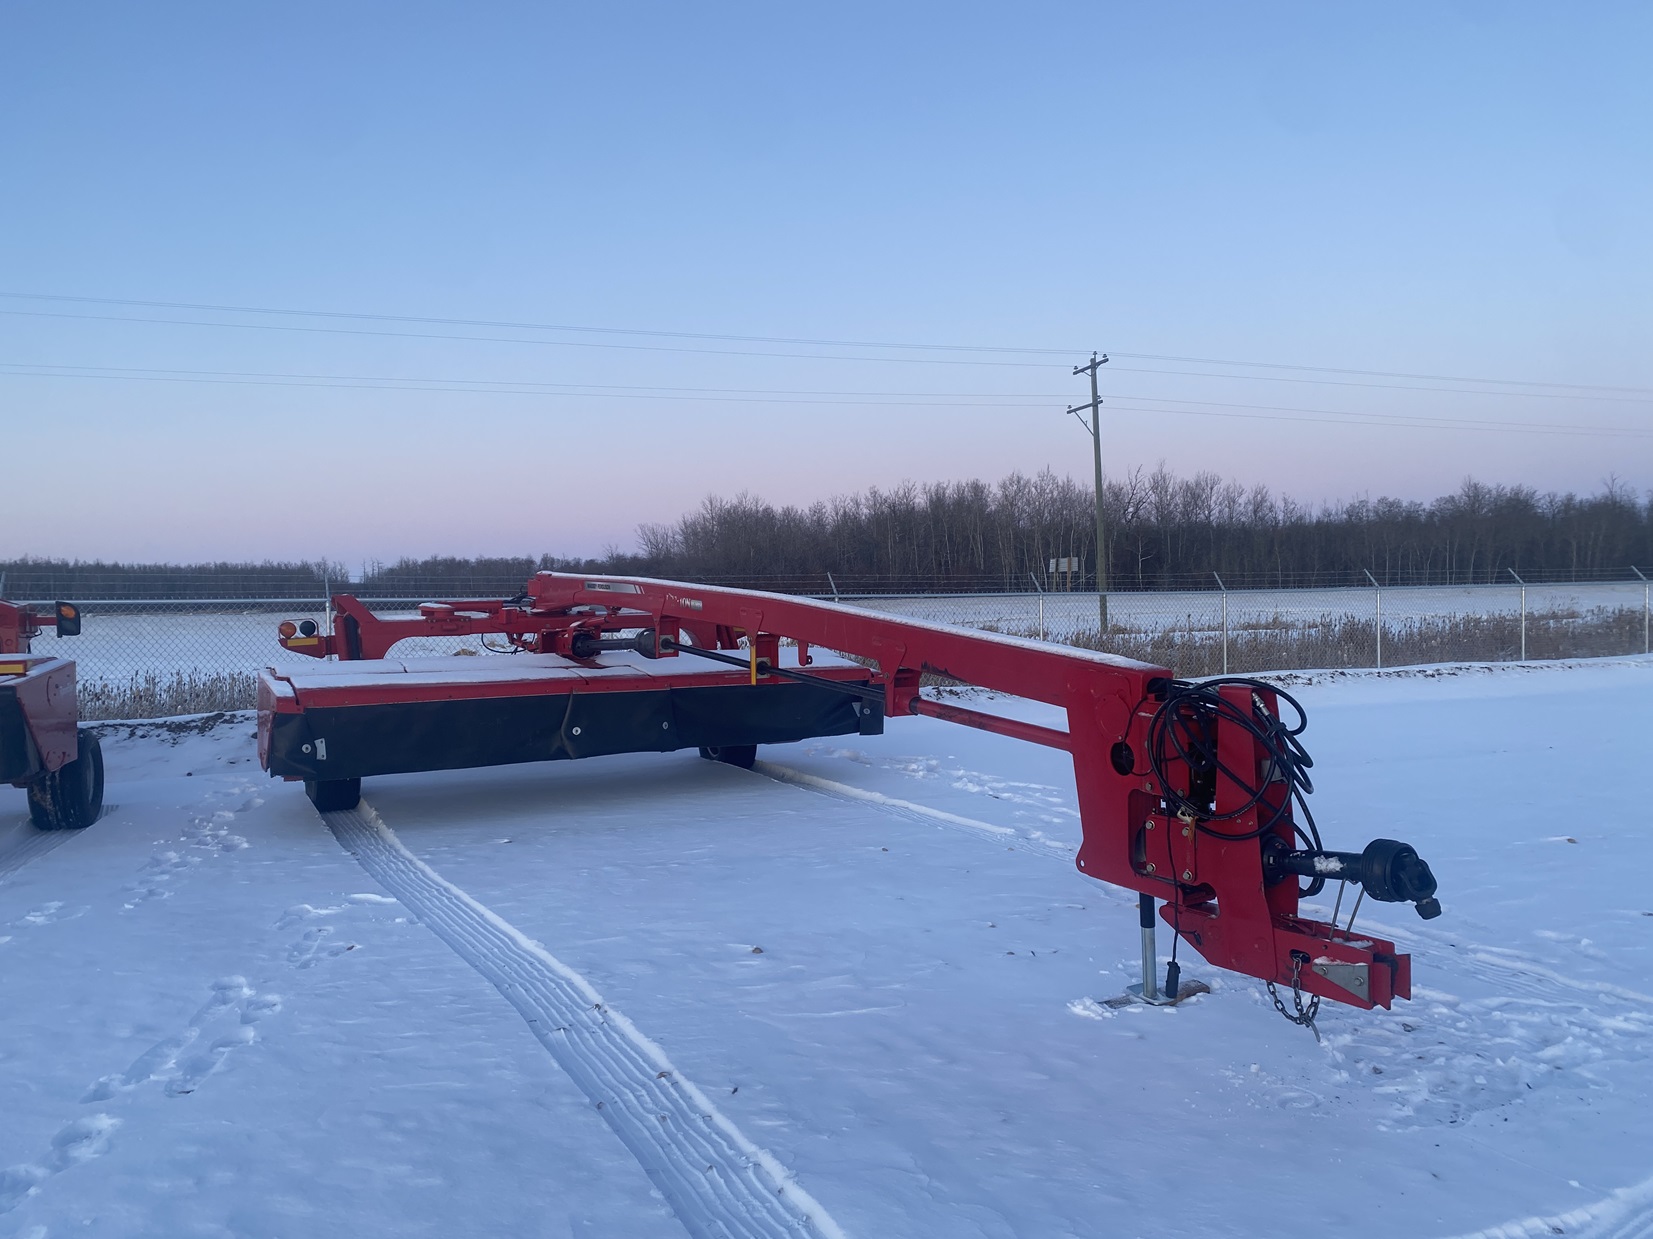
[[42, 748]]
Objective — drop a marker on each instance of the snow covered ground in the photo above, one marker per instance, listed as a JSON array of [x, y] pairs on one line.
[[851, 993], [1063, 614]]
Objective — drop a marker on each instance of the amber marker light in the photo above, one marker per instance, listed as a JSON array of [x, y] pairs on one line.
[[288, 629]]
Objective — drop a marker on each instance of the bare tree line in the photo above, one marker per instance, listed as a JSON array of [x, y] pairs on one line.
[[1164, 531]]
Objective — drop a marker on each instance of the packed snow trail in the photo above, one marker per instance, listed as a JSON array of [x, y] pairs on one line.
[[1006, 836], [1626, 1214], [27, 843], [79, 1141], [719, 1184]]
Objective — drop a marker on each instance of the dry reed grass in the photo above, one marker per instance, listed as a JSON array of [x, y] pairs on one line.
[[157, 694], [1280, 644]]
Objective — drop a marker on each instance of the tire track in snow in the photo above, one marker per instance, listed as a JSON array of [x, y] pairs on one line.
[[1625, 1214], [719, 1184], [1007, 837], [29, 844]]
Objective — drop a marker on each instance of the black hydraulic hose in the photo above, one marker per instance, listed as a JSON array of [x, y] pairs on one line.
[[865, 691]]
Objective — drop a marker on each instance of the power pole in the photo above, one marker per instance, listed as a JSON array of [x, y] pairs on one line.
[[1094, 426]]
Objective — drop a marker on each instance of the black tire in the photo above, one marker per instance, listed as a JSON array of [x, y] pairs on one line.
[[742, 755], [71, 797], [333, 795]]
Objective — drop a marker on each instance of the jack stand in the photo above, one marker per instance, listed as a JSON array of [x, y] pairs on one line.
[[1149, 991]]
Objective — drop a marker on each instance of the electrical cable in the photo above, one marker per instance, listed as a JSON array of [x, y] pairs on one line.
[[475, 384], [489, 388], [1357, 413], [1403, 421], [794, 341], [522, 326], [1461, 391], [1184, 728], [802, 340], [1173, 970], [430, 335], [1382, 374], [788, 396]]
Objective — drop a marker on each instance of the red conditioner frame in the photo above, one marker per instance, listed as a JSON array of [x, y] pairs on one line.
[[1219, 890]]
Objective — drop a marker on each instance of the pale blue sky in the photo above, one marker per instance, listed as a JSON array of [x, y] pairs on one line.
[[1438, 189]]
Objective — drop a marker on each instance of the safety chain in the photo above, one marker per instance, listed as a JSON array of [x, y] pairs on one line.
[[1305, 1014]]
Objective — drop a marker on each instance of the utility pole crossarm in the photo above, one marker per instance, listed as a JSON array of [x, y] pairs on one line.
[[1095, 428]]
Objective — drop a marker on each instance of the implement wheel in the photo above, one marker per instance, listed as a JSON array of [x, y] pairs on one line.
[[333, 795], [742, 755], [71, 797]]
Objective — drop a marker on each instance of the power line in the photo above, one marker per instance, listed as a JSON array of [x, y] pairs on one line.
[[1016, 400], [8, 370], [118, 371], [1384, 374], [425, 335], [1461, 391], [793, 340], [522, 326], [1491, 423], [1402, 422], [933, 361], [530, 386]]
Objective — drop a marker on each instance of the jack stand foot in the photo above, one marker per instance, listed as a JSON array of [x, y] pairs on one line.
[[1147, 990], [1133, 993], [1159, 998]]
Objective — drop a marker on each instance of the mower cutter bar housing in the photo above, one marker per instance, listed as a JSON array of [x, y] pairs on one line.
[[348, 720]]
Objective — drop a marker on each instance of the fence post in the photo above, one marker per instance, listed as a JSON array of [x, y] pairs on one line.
[[834, 585], [1647, 608], [1523, 584], [1040, 591], [1377, 625], [1224, 589]]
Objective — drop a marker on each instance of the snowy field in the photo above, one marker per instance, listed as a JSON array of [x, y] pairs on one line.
[[1062, 614], [852, 993], [171, 637]]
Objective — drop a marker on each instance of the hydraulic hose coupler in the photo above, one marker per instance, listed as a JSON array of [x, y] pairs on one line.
[[1388, 870]]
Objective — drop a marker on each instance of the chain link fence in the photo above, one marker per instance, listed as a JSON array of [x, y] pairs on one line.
[[1207, 632], [155, 658]]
